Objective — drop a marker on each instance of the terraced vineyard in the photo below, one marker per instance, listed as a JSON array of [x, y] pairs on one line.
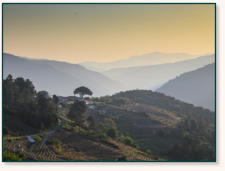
[[74, 148], [36, 151], [43, 153], [131, 126]]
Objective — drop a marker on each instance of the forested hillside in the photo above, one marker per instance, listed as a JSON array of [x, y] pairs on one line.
[[137, 125], [38, 127], [168, 127], [24, 109]]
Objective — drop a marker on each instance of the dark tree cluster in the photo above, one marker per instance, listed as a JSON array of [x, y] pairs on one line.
[[25, 105], [196, 137], [76, 113]]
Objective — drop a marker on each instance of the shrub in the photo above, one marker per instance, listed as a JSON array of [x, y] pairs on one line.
[[8, 156], [103, 136], [37, 138], [80, 131], [112, 132], [122, 158], [55, 142], [148, 151], [67, 127], [129, 141]]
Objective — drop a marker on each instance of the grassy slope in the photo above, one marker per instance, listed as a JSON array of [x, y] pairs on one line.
[[148, 117], [74, 148], [145, 116]]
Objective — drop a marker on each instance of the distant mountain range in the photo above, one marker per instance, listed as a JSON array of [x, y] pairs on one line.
[[151, 77], [62, 78], [58, 78], [195, 87], [141, 60]]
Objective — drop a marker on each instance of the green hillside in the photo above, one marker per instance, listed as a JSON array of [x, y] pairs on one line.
[[136, 125], [160, 123]]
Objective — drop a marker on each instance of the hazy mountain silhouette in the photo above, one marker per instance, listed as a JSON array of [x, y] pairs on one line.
[[59, 78], [150, 77], [195, 87], [141, 60]]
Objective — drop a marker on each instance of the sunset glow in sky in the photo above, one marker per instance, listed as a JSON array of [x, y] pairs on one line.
[[103, 33]]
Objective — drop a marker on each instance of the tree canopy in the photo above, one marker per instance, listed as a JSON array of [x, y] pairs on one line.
[[22, 105], [76, 112], [82, 91]]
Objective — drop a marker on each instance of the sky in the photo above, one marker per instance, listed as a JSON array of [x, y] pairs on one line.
[[106, 32]]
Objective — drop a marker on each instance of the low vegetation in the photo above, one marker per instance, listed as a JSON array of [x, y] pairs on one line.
[[9, 156], [135, 125], [162, 125]]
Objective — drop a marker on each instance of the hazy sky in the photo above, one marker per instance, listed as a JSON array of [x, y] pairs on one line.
[[77, 33]]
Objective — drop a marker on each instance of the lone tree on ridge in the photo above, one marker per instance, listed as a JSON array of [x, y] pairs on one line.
[[82, 91]]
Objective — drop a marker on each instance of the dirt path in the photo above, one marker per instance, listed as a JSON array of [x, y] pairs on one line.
[[52, 132]]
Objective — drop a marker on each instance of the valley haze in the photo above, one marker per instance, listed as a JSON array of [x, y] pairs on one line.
[[109, 82]]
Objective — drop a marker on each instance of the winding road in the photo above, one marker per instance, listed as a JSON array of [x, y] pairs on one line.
[[52, 132]]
